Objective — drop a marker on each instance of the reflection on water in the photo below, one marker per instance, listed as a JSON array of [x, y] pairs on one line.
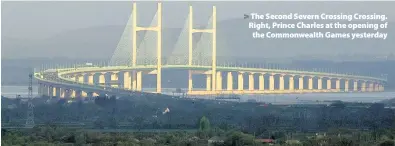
[[12, 91]]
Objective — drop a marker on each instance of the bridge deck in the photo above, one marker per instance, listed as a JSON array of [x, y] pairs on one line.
[[58, 79]]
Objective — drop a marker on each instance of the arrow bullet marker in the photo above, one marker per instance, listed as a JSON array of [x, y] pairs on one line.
[[246, 16]]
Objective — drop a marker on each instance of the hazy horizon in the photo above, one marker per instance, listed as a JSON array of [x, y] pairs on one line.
[[91, 30]]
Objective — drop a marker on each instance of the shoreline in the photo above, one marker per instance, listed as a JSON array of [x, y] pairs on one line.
[[11, 91]]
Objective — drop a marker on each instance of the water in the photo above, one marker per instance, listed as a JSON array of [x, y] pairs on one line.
[[12, 91]]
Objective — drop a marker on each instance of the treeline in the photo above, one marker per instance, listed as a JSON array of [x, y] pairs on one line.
[[52, 135], [150, 113]]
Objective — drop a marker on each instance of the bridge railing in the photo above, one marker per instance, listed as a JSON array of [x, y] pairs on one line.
[[207, 62], [230, 65], [68, 82], [40, 76], [180, 60]]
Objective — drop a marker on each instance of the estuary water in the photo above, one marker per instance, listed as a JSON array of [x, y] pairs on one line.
[[13, 91]]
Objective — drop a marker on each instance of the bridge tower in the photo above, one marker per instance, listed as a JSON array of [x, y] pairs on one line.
[[158, 29], [213, 32]]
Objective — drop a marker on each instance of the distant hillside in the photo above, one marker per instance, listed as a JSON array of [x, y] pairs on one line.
[[233, 36], [234, 44], [368, 68]]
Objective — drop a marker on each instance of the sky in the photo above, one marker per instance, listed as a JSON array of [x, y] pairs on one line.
[[42, 19], [38, 21]]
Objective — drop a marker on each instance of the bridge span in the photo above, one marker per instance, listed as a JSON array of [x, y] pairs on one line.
[[80, 81]]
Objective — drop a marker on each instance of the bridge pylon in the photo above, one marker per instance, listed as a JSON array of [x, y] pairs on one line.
[[158, 29], [213, 31]]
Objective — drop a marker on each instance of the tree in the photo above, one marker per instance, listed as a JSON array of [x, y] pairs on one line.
[[387, 143], [80, 139], [204, 124], [237, 138]]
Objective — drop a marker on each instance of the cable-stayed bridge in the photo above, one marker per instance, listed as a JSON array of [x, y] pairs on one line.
[[139, 52]]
